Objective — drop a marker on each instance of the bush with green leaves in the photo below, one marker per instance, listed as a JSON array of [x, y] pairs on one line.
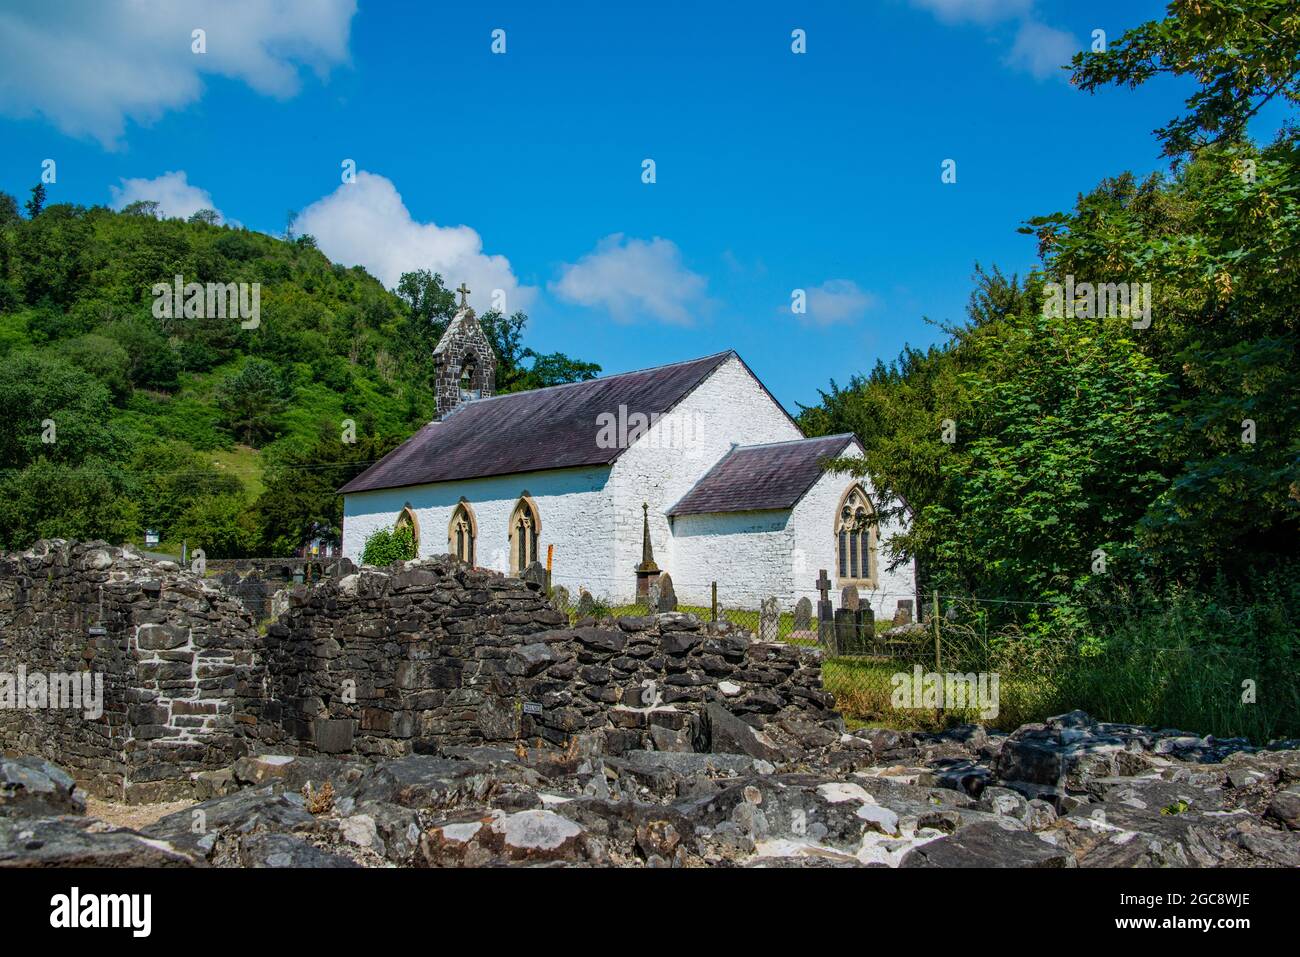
[[386, 546]]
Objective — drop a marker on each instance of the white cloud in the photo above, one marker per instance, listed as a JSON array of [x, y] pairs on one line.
[[88, 67], [174, 194], [366, 223], [1042, 50], [836, 301], [631, 278], [978, 11]]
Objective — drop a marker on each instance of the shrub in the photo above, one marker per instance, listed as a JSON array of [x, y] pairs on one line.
[[387, 546]]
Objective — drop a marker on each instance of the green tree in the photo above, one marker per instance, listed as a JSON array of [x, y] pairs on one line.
[[1242, 55], [9, 215], [302, 483], [898, 410], [222, 525], [172, 481], [555, 368], [49, 499], [152, 362], [37, 202], [251, 401], [103, 358], [51, 410], [143, 207], [50, 253]]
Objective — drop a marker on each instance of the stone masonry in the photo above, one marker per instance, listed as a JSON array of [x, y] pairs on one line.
[[437, 654], [415, 658], [180, 659]]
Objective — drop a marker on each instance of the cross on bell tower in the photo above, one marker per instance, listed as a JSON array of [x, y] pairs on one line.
[[464, 294]]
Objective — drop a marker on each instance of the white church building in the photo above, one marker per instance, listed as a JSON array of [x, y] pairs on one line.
[[695, 462]]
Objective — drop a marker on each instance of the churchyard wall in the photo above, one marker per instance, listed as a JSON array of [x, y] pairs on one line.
[[436, 654]]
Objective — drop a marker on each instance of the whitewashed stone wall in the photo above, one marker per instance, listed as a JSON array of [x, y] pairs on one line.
[[573, 504], [813, 521], [747, 553], [728, 408], [756, 555]]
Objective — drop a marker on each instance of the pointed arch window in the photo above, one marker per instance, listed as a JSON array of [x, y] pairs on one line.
[[407, 519], [525, 526], [855, 539], [462, 532]]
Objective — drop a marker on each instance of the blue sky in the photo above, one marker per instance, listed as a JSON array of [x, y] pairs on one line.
[[522, 171]]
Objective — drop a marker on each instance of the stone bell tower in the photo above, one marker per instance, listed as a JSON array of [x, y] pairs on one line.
[[465, 363]]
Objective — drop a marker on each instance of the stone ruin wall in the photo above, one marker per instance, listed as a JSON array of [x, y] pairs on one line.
[[384, 662], [182, 670], [378, 662], [258, 581]]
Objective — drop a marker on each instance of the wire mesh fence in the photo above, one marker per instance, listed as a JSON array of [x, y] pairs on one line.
[[1003, 664]]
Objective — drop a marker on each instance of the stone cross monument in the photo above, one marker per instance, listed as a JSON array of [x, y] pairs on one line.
[[825, 613], [647, 571]]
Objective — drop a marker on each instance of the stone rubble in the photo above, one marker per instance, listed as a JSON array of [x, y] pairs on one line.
[[1071, 792]]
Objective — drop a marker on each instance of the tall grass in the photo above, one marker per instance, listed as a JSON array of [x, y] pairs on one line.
[[1196, 665], [1190, 662]]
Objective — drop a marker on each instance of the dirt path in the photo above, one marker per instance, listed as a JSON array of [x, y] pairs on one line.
[[131, 815]]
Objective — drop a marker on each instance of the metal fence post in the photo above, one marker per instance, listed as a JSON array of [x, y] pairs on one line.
[[713, 609], [938, 654]]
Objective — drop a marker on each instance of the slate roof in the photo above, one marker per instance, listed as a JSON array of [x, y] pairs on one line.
[[530, 431], [753, 478]]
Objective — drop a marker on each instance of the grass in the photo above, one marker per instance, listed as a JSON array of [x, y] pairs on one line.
[[244, 462]]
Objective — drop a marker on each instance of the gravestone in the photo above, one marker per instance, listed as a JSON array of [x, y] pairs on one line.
[[536, 574], [903, 615], [849, 598], [866, 627], [586, 604], [652, 598], [825, 614], [560, 597], [279, 603], [667, 597], [802, 614], [846, 631], [855, 624], [769, 618]]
